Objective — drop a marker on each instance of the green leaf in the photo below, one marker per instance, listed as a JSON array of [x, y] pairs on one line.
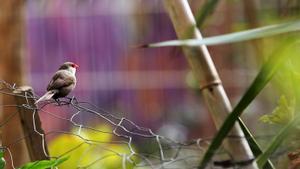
[[2, 160], [234, 37], [277, 140], [260, 81], [255, 148], [44, 164], [205, 10], [282, 114]]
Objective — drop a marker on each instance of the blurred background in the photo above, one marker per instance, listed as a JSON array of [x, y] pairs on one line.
[[152, 87], [148, 86]]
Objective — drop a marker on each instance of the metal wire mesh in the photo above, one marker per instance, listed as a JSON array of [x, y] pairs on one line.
[[141, 147]]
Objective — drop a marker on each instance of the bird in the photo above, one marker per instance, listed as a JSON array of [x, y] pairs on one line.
[[62, 82]]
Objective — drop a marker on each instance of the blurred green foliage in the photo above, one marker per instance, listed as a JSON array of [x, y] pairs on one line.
[[282, 114], [44, 164], [2, 160]]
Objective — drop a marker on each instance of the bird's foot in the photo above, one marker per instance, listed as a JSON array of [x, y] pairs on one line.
[[72, 99], [57, 101]]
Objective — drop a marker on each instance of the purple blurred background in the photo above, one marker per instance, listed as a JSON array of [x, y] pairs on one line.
[[148, 86]]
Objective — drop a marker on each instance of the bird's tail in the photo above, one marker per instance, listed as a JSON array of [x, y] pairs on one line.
[[46, 96]]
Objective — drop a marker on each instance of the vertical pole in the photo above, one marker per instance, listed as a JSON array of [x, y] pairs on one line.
[[31, 124], [203, 67]]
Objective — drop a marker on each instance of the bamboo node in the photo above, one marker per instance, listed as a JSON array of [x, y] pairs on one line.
[[210, 84]]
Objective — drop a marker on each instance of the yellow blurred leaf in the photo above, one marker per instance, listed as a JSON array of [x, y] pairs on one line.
[[102, 133], [94, 151], [64, 143]]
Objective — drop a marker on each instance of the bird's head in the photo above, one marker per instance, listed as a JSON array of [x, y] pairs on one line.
[[70, 66]]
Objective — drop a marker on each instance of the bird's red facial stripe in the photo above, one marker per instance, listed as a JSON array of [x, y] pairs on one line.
[[75, 65]]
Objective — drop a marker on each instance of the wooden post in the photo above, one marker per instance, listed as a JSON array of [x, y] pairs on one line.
[[31, 124], [212, 90]]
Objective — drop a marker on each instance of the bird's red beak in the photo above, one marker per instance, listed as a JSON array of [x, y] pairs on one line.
[[75, 65]]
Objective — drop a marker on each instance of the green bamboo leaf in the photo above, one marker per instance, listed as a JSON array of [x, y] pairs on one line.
[[2, 160], [261, 80], [277, 140], [255, 148], [249, 34], [205, 10], [44, 164]]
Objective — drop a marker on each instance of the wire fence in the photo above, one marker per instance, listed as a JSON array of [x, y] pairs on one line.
[[132, 145]]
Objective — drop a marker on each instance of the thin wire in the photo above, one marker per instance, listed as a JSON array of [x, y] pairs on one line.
[[125, 132]]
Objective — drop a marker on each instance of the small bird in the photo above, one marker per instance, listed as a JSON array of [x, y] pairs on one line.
[[62, 82]]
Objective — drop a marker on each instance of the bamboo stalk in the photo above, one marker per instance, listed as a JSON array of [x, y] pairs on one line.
[[207, 75]]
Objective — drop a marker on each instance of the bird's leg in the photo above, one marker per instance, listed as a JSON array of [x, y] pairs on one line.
[[71, 99], [57, 101]]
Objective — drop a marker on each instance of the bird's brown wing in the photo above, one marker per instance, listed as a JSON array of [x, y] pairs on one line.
[[59, 80]]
